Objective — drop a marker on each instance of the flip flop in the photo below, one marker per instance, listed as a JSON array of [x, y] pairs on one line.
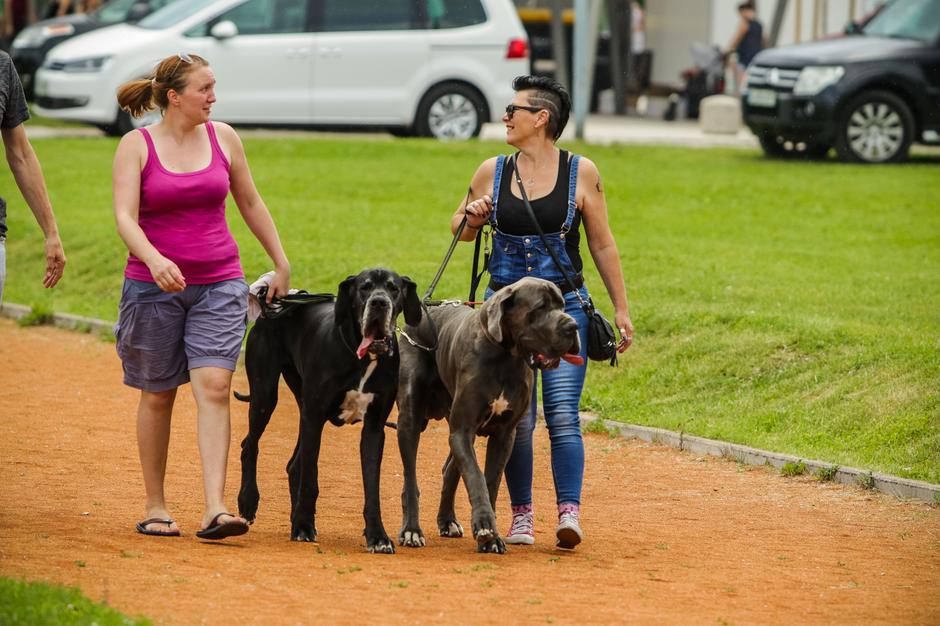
[[143, 530], [217, 530]]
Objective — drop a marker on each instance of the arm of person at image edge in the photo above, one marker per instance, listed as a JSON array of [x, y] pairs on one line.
[[28, 175], [593, 206], [129, 160]]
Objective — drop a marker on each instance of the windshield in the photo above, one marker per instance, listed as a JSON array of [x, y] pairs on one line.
[[173, 13], [907, 19], [114, 11]]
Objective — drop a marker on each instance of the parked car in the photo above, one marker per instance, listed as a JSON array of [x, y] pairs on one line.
[[434, 67], [29, 48], [869, 95]]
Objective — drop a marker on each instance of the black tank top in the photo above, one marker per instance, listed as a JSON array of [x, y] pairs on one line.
[[550, 210]]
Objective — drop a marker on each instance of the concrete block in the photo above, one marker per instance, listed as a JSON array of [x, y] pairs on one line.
[[720, 114]]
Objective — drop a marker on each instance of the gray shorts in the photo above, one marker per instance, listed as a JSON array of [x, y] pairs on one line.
[[161, 335]]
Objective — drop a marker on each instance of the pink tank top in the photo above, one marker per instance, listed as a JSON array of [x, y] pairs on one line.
[[183, 216]]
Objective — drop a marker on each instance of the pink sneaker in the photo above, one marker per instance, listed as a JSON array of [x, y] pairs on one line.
[[522, 530], [569, 532]]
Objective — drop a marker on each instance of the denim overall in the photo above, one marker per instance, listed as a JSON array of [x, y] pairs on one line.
[[514, 257]]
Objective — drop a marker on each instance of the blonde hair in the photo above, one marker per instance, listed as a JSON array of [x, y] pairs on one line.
[[141, 95]]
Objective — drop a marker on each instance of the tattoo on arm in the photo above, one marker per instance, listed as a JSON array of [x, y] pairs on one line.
[[597, 186]]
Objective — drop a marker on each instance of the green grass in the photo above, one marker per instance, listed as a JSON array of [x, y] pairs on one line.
[[26, 604], [787, 306]]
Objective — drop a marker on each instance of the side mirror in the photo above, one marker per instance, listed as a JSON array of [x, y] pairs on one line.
[[137, 12], [224, 30], [852, 28]]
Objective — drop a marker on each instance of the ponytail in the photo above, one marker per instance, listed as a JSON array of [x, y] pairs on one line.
[[136, 96]]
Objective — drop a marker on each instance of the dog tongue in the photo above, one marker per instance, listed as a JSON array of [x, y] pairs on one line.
[[366, 342], [574, 359]]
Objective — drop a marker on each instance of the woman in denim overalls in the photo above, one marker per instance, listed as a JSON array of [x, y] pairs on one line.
[[564, 192]]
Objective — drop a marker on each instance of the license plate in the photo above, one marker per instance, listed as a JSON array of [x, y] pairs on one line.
[[762, 97]]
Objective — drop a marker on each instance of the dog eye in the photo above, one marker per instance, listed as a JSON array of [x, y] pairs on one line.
[[393, 288]]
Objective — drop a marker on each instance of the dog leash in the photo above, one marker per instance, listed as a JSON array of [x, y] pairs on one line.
[[282, 305]]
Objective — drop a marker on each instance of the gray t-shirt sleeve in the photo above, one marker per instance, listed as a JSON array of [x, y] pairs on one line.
[[13, 109]]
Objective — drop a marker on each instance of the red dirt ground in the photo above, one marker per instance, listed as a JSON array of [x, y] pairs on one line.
[[671, 538]]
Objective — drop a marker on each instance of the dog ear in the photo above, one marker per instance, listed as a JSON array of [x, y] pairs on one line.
[[342, 308], [412, 308], [493, 310]]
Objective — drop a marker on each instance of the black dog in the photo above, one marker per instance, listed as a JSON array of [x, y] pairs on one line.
[[321, 351], [479, 377]]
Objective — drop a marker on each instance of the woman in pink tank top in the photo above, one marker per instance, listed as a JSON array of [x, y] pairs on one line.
[[183, 307]]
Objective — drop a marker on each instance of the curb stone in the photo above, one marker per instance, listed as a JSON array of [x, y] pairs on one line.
[[903, 488]]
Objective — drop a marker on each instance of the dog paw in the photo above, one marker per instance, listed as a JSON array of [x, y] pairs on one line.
[[450, 529], [494, 546], [382, 546], [411, 538], [304, 533], [485, 535]]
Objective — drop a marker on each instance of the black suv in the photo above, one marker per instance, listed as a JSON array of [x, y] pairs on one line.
[[869, 95]]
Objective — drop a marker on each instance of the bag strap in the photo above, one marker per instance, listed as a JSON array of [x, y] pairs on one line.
[[588, 306]]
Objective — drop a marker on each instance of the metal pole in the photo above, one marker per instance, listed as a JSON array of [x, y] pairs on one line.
[[798, 22], [580, 91], [559, 45], [779, 12]]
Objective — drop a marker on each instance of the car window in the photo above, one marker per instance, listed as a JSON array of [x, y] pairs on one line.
[[346, 15], [114, 11], [173, 13], [907, 19], [261, 17], [454, 13]]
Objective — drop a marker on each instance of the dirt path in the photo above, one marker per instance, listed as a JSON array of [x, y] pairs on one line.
[[671, 538]]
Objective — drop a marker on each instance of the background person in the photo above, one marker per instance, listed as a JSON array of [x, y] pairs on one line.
[[747, 41], [26, 172], [534, 122], [17, 15], [184, 302]]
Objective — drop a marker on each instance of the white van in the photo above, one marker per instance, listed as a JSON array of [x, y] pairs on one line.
[[433, 67]]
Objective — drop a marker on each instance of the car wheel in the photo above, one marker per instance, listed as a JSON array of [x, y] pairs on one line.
[[451, 111], [779, 147], [125, 123], [875, 127]]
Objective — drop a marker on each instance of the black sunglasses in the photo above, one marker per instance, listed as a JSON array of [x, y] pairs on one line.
[[512, 108]]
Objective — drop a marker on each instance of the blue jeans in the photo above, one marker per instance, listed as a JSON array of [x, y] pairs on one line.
[[561, 399]]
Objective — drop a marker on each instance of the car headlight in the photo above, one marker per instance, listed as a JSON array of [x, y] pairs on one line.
[[814, 79], [78, 66]]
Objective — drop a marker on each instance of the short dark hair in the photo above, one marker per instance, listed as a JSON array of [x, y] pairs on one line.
[[747, 5], [551, 96]]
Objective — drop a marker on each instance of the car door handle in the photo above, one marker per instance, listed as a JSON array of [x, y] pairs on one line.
[[330, 52], [297, 53]]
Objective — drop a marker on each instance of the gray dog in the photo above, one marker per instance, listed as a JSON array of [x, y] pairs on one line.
[[474, 367]]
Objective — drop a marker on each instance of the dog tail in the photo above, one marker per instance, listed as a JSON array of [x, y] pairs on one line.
[[242, 397]]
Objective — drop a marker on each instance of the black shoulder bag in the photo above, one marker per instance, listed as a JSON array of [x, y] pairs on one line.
[[601, 342]]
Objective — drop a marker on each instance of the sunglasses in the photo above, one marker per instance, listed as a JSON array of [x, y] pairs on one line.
[[183, 58], [512, 108]]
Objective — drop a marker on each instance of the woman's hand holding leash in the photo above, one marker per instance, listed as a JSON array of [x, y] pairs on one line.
[[280, 284], [478, 212]]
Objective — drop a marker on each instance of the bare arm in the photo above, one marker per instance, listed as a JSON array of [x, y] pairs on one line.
[[603, 247], [477, 204], [28, 175], [254, 211], [125, 182]]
